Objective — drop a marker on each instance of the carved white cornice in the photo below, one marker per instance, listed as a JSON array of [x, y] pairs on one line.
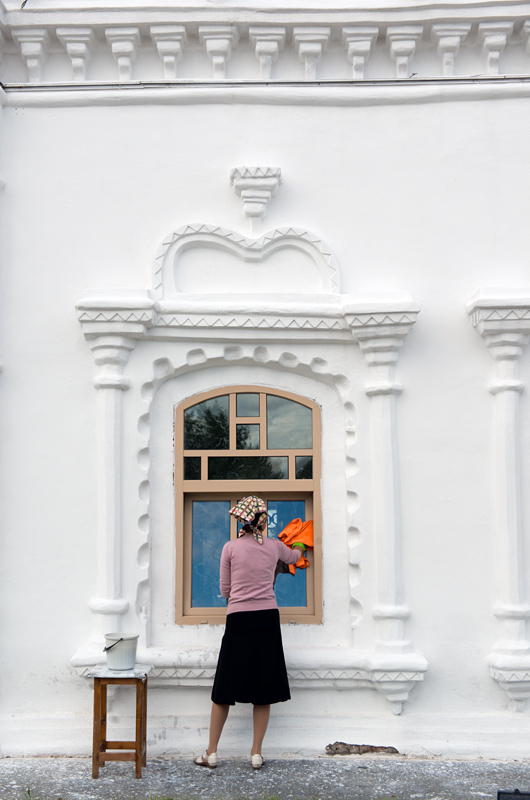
[[402, 40], [219, 41], [494, 37], [449, 37], [268, 43], [503, 321], [79, 43], [310, 43], [124, 44], [170, 41], [33, 43], [359, 41]]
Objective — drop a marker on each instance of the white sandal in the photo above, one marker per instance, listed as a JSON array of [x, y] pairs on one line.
[[206, 760], [257, 761]]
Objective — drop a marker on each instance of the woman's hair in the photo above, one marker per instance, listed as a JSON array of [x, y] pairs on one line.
[[248, 527]]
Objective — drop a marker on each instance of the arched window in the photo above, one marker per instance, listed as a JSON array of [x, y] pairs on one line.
[[233, 442]]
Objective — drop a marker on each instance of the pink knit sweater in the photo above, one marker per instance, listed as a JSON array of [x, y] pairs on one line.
[[247, 572]]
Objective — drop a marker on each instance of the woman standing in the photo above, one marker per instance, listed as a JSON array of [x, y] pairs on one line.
[[251, 664]]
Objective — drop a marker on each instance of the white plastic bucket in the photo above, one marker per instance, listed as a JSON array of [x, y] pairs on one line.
[[121, 650]]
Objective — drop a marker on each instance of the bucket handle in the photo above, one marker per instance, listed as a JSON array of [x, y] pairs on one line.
[[106, 649]]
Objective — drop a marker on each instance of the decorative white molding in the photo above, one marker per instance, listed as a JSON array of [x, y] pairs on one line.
[[250, 250], [503, 321], [124, 43], [494, 36], [402, 40], [449, 37], [33, 43], [170, 41], [359, 43], [268, 43], [79, 43], [111, 338], [310, 44], [380, 329], [256, 186], [219, 40]]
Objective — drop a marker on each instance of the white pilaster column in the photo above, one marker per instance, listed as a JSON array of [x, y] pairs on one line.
[[111, 329], [33, 43], [219, 41], [359, 43], [380, 330], [494, 36], [310, 44], [170, 41], [123, 42], [504, 324], [268, 42], [449, 37], [402, 42], [79, 43]]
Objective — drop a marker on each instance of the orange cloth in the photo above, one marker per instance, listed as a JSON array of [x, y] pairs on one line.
[[298, 531]]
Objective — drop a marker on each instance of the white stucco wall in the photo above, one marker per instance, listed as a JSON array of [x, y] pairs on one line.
[[422, 192]]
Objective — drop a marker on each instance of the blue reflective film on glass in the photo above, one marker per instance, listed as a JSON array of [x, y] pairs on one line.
[[289, 424], [210, 532], [290, 590]]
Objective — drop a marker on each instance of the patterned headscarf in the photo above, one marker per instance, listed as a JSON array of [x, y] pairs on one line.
[[246, 510]]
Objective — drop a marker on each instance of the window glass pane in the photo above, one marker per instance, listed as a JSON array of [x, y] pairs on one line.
[[192, 468], [304, 466], [206, 425], [210, 532], [288, 424], [247, 437], [247, 405], [290, 589], [235, 468]]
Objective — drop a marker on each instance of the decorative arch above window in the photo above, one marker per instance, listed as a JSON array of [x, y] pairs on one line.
[[229, 443]]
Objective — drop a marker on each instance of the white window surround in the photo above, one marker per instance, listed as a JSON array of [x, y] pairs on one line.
[[254, 328], [503, 321]]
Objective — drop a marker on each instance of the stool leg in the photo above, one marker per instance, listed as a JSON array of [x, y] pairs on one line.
[[103, 737], [144, 724], [97, 729], [138, 742]]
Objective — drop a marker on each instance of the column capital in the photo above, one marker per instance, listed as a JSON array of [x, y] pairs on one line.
[[503, 321], [111, 326], [381, 325]]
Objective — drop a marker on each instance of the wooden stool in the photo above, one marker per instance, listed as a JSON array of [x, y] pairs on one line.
[[127, 750]]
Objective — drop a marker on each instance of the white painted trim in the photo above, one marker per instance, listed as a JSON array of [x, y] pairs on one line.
[[324, 93]]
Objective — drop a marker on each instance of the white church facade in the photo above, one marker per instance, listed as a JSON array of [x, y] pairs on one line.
[[276, 249]]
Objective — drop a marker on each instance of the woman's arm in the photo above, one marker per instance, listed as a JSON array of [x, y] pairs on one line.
[[225, 577], [287, 555]]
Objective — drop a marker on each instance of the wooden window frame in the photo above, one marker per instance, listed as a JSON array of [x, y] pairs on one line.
[[291, 488]]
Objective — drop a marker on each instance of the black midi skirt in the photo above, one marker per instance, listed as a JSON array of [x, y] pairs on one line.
[[251, 664]]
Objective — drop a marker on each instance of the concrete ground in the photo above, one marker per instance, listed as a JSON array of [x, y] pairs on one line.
[[326, 778]]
